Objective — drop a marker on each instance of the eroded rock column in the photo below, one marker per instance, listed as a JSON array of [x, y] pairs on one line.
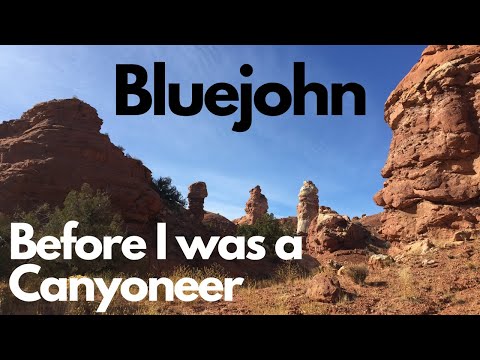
[[197, 192], [307, 208], [256, 207]]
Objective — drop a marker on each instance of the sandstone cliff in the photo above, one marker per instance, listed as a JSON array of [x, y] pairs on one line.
[[57, 146], [433, 166]]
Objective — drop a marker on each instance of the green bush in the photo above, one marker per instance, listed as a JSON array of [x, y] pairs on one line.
[[168, 192], [93, 210], [6, 264], [268, 227]]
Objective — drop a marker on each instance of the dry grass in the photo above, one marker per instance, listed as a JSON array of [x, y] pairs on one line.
[[314, 308], [358, 273], [407, 286], [253, 302]]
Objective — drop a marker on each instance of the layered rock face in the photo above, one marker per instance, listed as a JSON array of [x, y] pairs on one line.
[[433, 166], [307, 208], [330, 231], [57, 146], [256, 207], [197, 192]]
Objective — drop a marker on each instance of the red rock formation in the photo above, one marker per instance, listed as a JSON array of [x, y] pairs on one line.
[[331, 231], [289, 222], [433, 166], [219, 225], [256, 207], [307, 208], [197, 192], [57, 146]]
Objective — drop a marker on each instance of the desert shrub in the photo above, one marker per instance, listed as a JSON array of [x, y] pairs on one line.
[[358, 273], [407, 285], [137, 159], [168, 192], [127, 155], [6, 264], [289, 271], [268, 227], [93, 210], [121, 148]]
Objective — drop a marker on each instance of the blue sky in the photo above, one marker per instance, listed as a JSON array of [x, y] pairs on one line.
[[342, 155]]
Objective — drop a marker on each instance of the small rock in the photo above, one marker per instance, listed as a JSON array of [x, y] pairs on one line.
[[379, 261], [334, 265], [419, 247], [427, 262], [341, 271], [399, 258], [464, 235], [324, 288]]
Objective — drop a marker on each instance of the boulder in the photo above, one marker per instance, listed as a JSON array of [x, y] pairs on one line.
[[324, 288], [380, 261], [330, 231]]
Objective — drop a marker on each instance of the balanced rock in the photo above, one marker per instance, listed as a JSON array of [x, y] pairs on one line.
[[256, 207], [197, 192], [433, 166], [307, 208]]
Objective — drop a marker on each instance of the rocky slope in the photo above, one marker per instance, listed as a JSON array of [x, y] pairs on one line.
[[219, 225], [433, 167]]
